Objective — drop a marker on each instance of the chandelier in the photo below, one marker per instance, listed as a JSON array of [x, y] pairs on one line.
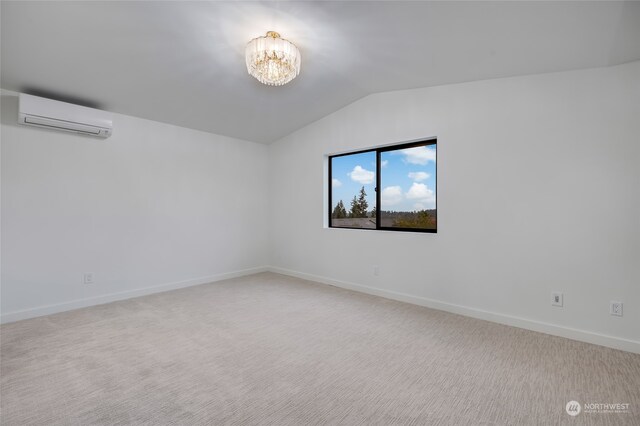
[[272, 60]]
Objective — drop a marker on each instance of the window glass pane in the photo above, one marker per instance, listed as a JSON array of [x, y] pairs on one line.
[[408, 182], [353, 196]]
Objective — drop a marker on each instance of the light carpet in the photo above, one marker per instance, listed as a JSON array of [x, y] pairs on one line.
[[275, 350]]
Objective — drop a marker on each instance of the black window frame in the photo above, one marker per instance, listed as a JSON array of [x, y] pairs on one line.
[[379, 151]]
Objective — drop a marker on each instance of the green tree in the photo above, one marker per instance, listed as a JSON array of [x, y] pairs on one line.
[[362, 203], [355, 208], [359, 205], [424, 219], [373, 212], [339, 212]]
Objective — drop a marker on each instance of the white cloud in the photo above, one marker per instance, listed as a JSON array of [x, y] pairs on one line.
[[424, 197], [419, 176], [420, 155], [391, 195], [361, 175], [335, 183], [419, 191], [384, 163]]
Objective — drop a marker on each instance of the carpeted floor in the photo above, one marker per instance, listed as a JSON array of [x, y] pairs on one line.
[[270, 349]]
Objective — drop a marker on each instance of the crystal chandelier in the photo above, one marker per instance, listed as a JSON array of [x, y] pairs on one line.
[[272, 60]]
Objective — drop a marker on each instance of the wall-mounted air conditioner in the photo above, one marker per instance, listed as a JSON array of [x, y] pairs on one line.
[[55, 115]]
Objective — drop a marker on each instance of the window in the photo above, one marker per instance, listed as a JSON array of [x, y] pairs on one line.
[[391, 188]]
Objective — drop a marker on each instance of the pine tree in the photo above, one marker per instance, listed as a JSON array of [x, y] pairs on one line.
[[336, 212], [339, 212], [355, 208], [359, 205], [362, 203], [373, 212]]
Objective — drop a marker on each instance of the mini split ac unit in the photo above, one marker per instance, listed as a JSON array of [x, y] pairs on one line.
[[50, 114]]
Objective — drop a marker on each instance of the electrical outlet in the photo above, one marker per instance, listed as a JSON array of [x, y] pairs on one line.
[[376, 270], [556, 299], [615, 308], [87, 278]]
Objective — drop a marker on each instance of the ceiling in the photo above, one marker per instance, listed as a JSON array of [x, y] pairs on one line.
[[183, 62]]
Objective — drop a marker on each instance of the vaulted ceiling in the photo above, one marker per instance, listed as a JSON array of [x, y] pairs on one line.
[[183, 62]]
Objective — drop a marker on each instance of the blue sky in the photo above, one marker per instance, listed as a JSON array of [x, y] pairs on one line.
[[408, 178]]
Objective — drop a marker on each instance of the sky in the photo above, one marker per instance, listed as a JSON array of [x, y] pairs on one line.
[[408, 178]]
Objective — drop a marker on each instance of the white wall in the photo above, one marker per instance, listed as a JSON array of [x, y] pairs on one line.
[[538, 181], [154, 206]]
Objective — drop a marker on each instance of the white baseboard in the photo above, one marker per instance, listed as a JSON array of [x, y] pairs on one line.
[[542, 327], [112, 297]]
